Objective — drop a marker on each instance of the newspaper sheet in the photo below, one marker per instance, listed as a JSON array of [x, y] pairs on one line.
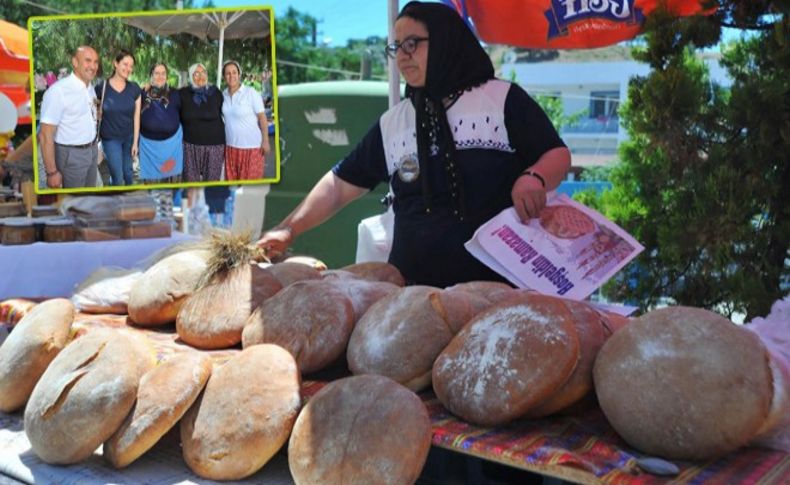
[[569, 251]]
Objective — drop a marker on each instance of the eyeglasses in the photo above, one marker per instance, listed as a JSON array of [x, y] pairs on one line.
[[408, 46]]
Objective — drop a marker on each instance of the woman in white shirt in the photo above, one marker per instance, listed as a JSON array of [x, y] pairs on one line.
[[246, 127]]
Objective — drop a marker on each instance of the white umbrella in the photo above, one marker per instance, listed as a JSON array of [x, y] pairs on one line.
[[240, 24]]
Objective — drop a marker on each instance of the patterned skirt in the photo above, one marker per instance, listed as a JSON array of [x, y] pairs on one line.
[[203, 163], [243, 163]]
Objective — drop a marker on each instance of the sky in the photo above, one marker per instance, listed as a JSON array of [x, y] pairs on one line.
[[339, 20]]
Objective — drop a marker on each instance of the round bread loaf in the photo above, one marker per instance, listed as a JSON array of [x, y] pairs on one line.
[[362, 293], [400, 336], [291, 272], [85, 394], [493, 291], [376, 271], [214, 316], [362, 429], [28, 350], [684, 383], [244, 416], [591, 337], [506, 360], [157, 296], [165, 393], [310, 319]]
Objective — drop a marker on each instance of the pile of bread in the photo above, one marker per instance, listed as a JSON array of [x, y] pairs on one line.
[[678, 382]]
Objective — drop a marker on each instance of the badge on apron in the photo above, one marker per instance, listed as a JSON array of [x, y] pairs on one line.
[[409, 168]]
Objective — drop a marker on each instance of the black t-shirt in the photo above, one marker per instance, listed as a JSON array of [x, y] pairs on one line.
[[202, 124], [428, 248], [118, 110]]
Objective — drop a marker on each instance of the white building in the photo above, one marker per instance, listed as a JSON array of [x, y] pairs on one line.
[[598, 88]]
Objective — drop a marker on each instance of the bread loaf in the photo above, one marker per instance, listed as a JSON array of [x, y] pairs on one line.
[[310, 319], [157, 296], [362, 293], [165, 393], [506, 360], [400, 336], [684, 383], [244, 416], [376, 271], [25, 354], [362, 429], [591, 337], [85, 394], [291, 272], [493, 291], [214, 316]]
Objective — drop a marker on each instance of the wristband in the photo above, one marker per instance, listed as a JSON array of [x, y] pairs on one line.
[[536, 175], [50, 174]]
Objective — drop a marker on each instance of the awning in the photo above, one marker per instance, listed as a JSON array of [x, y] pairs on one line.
[[15, 68], [241, 24], [564, 24]]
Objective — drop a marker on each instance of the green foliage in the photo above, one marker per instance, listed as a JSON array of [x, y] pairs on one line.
[[552, 106], [55, 40], [704, 180], [296, 44]]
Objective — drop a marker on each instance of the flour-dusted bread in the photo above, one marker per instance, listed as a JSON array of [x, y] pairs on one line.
[[28, 350], [165, 393], [684, 383], [362, 293], [376, 271], [360, 430], [506, 360], [214, 316], [85, 394], [291, 272], [158, 294], [311, 319], [591, 333], [244, 416], [401, 334]]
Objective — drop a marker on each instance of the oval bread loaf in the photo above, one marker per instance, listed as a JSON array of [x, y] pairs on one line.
[[25, 354]]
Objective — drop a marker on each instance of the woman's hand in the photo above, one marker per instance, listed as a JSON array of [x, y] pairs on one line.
[[265, 148], [529, 197], [276, 240], [135, 150]]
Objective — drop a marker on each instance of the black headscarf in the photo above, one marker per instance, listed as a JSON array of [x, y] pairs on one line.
[[456, 63]]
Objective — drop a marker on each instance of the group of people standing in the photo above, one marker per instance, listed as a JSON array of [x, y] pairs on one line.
[[193, 134]]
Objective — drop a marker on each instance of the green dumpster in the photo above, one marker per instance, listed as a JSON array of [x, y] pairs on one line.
[[319, 124]]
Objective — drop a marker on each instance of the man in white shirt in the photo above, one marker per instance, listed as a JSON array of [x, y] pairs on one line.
[[68, 125]]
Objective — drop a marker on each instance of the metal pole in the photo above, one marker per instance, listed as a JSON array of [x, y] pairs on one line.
[[394, 75]]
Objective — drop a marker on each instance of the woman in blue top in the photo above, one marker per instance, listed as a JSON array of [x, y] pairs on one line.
[[120, 125], [161, 151]]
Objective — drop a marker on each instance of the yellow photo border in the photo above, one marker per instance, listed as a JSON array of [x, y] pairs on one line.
[[125, 188]]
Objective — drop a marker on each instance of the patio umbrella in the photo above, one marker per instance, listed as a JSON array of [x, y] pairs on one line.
[[241, 24], [564, 24], [15, 68]]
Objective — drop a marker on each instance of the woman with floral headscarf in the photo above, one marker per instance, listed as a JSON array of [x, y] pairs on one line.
[[161, 136], [204, 130], [458, 150], [246, 127]]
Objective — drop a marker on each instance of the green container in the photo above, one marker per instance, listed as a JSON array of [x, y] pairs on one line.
[[320, 123]]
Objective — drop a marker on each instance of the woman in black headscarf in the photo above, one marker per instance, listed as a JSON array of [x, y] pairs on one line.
[[458, 150]]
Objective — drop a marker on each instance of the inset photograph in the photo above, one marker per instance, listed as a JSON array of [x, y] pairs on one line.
[[152, 100]]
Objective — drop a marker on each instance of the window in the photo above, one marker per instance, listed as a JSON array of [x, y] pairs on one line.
[[604, 104]]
